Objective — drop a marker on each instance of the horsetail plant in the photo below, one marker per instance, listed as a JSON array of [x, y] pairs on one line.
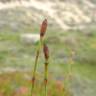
[[46, 55], [43, 28], [42, 33]]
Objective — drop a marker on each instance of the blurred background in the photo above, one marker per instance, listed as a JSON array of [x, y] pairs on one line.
[[71, 38]]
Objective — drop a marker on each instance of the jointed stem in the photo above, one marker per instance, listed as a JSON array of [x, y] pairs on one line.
[[46, 77], [42, 33], [35, 66]]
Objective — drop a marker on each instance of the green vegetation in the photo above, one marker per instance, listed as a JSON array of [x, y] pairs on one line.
[[16, 54]]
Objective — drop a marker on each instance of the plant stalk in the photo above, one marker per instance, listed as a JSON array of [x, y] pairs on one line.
[[35, 66], [46, 77]]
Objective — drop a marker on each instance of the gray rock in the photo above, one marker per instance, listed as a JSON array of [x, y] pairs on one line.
[[29, 38]]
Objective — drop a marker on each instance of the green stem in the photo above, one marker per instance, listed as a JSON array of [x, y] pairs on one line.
[[35, 66], [46, 77]]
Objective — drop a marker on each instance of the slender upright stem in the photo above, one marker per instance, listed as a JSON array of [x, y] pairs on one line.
[[42, 33], [46, 77], [35, 66], [46, 55]]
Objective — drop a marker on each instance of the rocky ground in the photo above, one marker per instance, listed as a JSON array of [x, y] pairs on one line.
[[70, 14]]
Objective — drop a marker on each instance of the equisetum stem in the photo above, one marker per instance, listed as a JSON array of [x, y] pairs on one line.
[[46, 77], [35, 66], [42, 33]]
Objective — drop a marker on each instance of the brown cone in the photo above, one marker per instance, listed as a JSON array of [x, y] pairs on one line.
[[43, 28]]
